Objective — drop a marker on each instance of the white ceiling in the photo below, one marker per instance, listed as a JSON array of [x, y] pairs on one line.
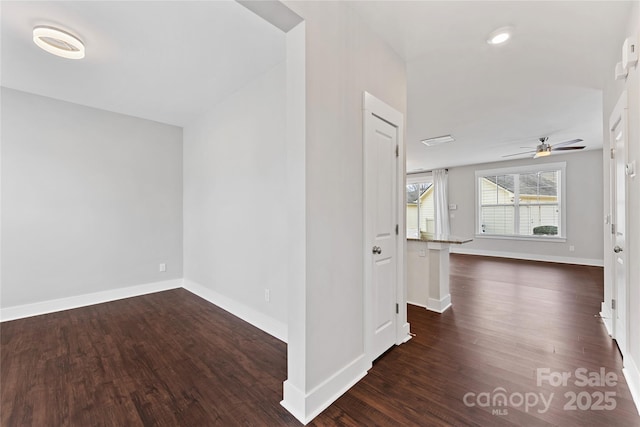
[[163, 61], [546, 81], [168, 61]]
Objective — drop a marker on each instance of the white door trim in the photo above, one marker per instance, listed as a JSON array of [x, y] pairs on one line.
[[619, 115], [372, 105]]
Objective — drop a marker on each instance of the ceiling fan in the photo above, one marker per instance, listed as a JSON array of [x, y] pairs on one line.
[[545, 149]]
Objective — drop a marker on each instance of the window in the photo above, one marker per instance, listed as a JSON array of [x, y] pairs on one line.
[[523, 202], [420, 208]]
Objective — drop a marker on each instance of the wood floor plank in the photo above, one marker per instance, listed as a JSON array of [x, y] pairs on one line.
[[173, 359]]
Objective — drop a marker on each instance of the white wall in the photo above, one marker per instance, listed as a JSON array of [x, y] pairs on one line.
[[91, 200], [417, 273], [583, 200], [343, 59], [235, 206], [612, 92]]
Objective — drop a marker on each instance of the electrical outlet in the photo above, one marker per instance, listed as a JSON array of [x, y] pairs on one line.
[[267, 295], [572, 248], [163, 267], [422, 252]]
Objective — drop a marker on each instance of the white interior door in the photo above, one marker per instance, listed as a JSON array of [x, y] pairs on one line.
[[380, 147], [618, 129]]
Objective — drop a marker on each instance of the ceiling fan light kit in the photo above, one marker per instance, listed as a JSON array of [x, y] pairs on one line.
[[544, 148], [543, 151]]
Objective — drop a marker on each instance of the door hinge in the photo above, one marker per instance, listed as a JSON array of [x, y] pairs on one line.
[[397, 229], [397, 308], [613, 153], [613, 304], [397, 151]]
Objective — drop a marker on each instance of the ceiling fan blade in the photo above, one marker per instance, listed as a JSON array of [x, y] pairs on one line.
[[518, 154], [579, 147], [562, 144]]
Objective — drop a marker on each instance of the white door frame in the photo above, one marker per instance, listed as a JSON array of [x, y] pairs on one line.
[[374, 106], [619, 115]]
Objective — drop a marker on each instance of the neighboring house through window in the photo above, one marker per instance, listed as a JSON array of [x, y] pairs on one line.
[[523, 202], [420, 207]]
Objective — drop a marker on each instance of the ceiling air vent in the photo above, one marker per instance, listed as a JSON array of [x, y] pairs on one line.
[[430, 142]]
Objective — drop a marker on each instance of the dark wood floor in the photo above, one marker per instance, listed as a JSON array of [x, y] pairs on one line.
[[172, 359]]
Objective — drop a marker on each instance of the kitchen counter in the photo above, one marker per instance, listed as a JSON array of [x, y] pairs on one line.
[[454, 240], [437, 284]]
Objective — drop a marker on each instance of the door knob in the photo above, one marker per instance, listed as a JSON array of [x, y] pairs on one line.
[[617, 249], [376, 250]]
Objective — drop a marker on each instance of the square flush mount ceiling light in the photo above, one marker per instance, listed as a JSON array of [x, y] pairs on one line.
[[58, 42], [430, 142]]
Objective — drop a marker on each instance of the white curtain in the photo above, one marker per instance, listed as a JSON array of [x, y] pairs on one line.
[[441, 201]]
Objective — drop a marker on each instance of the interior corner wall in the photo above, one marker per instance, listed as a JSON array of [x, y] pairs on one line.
[[235, 206], [417, 272], [344, 58], [613, 90], [91, 200], [583, 204]]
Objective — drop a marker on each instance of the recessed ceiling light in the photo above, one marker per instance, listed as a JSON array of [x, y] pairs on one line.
[[499, 36], [430, 142], [58, 42]]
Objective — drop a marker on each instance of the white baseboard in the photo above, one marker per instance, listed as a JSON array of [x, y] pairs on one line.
[[259, 320], [305, 407], [417, 304], [632, 375], [457, 249], [51, 306], [405, 334], [439, 305], [294, 401], [605, 315]]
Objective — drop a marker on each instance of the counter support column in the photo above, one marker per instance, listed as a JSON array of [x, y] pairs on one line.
[[439, 294]]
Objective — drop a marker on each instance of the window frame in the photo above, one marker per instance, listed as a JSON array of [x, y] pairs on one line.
[[519, 170]]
